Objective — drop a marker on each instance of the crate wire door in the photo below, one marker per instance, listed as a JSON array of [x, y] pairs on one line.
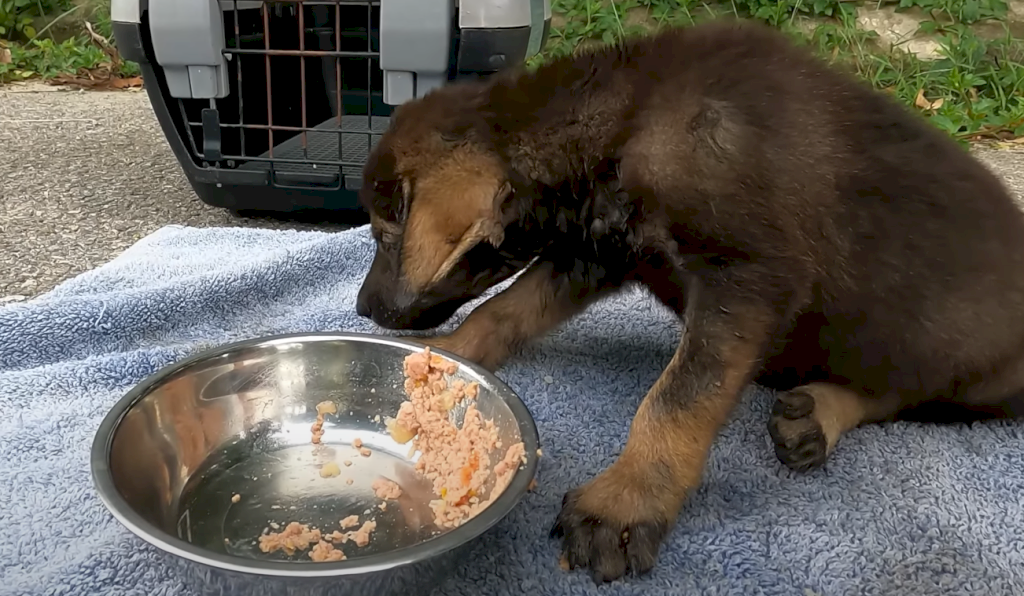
[[306, 103]]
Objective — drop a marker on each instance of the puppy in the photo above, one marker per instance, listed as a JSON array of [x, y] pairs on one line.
[[812, 235]]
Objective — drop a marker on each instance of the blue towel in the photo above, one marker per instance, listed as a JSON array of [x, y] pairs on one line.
[[901, 509]]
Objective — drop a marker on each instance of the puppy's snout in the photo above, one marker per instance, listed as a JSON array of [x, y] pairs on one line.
[[377, 306], [363, 307]]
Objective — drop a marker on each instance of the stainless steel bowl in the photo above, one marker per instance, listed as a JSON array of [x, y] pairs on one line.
[[170, 456]]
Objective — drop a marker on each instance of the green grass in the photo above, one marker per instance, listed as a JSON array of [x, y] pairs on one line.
[[34, 55], [976, 87]]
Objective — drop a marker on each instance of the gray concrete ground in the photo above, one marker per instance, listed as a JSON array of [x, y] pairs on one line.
[[83, 175]]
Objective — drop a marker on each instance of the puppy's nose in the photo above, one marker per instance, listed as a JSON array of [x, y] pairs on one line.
[[363, 308]]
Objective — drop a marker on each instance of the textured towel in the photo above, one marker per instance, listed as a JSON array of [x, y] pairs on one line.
[[901, 509]]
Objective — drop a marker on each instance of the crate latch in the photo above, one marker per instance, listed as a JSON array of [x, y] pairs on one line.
[[211, 135], [188, 43], [415, 38]]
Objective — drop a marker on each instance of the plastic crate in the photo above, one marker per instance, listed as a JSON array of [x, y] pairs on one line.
[[273, 106]]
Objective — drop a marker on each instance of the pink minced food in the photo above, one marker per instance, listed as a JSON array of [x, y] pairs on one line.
[[294, 537], [386, 489], [298, 536], [456, 460], [325, 551], [362, 536]]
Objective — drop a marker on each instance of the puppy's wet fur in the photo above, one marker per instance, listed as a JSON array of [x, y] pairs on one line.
[[813, 235]]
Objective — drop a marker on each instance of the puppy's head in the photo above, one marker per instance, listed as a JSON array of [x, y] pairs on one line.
[[434, 191]]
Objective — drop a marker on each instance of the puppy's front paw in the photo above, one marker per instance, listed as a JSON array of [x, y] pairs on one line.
[[441, 342], [613, 530], [476, 349]]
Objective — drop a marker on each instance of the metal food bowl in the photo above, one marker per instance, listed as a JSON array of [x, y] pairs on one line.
[[169, 458]]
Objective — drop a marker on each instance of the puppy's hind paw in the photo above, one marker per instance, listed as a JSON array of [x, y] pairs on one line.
[[800, 442]]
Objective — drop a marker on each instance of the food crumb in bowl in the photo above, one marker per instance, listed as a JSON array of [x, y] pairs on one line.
[[386, 489], [324, 552], [326, 407], [347, 462], [349, 481], [364, 452], [329, 470], [294, 537], [236, 498], [399, 433], [298, 536], [362, 536], [514, 457], [322, 408], [275, 526], [357, 442]]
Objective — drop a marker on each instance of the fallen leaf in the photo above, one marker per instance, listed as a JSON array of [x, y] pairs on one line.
[[100, 79], [5, 56], [922, 102]]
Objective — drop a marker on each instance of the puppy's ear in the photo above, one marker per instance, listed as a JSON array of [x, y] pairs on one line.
[[455, 207]]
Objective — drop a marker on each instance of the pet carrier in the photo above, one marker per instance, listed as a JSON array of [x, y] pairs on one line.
[[274, 105]]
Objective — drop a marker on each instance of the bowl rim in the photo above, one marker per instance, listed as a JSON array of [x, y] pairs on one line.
[[119, 508]]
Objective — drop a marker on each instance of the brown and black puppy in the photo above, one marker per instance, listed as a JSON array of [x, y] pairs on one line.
[[812, 234]]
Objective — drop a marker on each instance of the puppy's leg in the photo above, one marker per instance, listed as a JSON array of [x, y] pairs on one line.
[[540, 300], [806, 423], [617, 522]]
